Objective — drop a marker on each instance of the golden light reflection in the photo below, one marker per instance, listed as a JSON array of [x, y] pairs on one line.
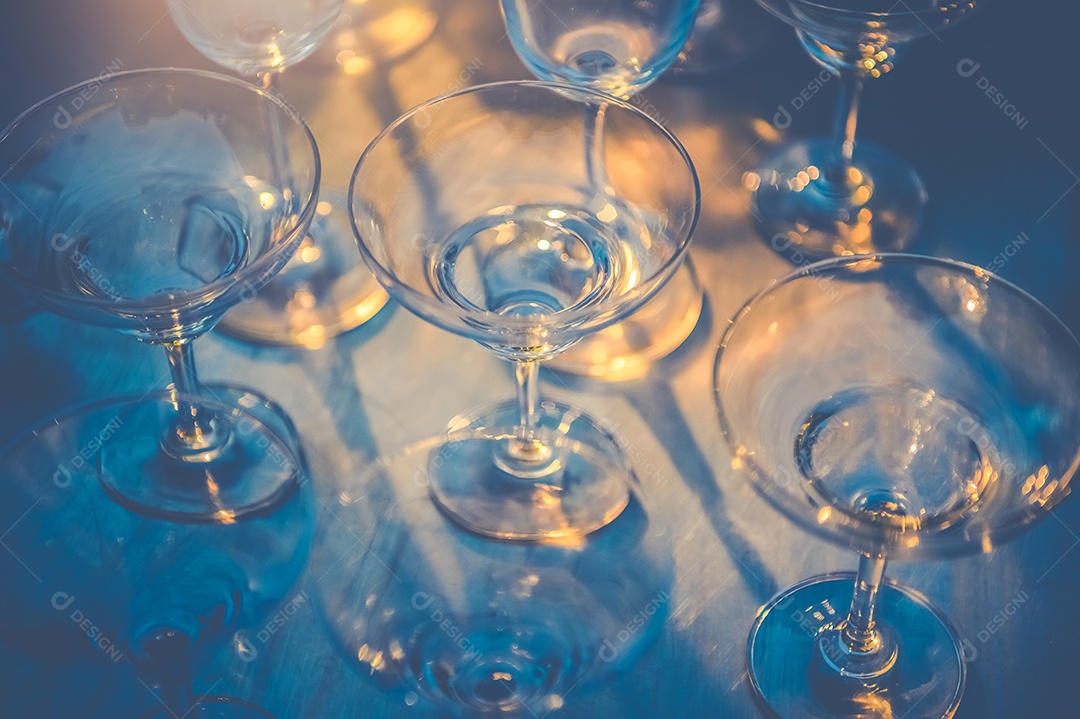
[[608, 214], [224, 516], [765, 130], [372, 30], [823, 515], [861, 195]]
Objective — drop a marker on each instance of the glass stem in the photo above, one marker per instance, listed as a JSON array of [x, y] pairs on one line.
[[847, 116], [594, 145], [860, 635], [527, 374], [194, 432], [526, 454]]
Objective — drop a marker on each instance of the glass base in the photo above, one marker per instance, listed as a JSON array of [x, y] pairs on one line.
[[628, 349], [251, 468], [792, 677], [455, 625], [212, 707], [324, 290], [877, 208], [572, 480]]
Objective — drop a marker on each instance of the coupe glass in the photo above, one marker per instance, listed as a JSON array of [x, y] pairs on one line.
[[479, 213], [619, 47], [907, 408], [116, 588], [442, 619], [325, 290], [832, 196], [152, 201]]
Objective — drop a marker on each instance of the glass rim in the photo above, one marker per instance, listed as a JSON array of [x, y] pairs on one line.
[[865, 14], [573, 317], [207, 292], [847, 529]]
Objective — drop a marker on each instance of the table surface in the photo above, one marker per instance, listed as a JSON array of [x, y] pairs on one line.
[[398, 379]]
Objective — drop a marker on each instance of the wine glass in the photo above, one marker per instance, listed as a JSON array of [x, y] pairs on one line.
[[619, 47], [123, 589], [907, 408], [478, 212], [325, 290], [151, 201], [827, 197], [439, 617]]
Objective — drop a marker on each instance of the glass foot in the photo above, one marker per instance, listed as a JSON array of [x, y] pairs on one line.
[[324, 290], [254, 462], [572, 479], [790, 671], [878, 207], [455, 625], [628, 349]]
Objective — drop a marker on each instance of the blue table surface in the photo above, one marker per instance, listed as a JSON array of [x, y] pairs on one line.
[[1003, 195]]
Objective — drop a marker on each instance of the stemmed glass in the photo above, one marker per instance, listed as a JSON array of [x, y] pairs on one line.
[[478, 212], [832, 196], [907, 408], [619, 47], [152, 201], [102, 582], [435, 615], [325, 290]]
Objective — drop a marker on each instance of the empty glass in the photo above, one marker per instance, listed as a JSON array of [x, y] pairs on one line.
[[907, 408], [834, 196], [119, 589], [440, 618], [479, 213], [325, 289], [619, 47], [151, 202]]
